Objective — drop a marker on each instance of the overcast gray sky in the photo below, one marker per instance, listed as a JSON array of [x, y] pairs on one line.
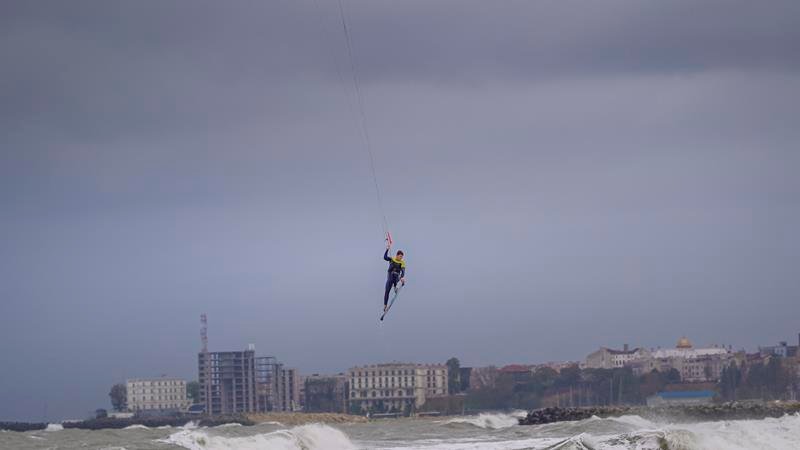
[[561, 174]]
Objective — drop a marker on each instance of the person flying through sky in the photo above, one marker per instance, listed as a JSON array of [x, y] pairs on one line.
[[396, 273]]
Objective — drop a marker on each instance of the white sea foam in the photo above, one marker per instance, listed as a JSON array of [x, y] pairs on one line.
[[494, 421], [54, 427], [475, 444], [634, 421], [637, 433], [228, 425], [767, 434], [136, 427], [305, 437]]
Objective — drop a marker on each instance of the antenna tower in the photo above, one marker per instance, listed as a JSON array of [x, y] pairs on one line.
[[204, 332]]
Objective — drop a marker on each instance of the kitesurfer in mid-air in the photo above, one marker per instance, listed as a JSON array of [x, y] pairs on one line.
[[396, 273]]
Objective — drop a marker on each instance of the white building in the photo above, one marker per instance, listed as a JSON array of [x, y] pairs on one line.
[[395, 386], [148, 394], [607, 358], [685, 350], [694, 364]]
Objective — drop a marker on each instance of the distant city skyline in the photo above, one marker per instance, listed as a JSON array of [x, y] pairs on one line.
[[559, 178]]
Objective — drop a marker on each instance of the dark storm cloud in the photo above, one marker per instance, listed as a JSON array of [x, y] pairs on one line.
[[621, 170], [161, 65]]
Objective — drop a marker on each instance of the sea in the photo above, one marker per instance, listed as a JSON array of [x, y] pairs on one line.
[[490, 431]]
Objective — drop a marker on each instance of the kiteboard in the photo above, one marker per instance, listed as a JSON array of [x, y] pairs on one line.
[[391, 300]]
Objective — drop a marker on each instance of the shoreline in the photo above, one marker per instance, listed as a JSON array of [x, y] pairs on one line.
[[678, 413]]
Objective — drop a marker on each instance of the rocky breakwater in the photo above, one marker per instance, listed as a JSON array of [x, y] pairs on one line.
[[684, 413], [22, 426], [550, 415], [153, 422], [722, 411]]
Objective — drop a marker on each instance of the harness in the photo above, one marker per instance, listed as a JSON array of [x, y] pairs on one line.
[[396, 267]]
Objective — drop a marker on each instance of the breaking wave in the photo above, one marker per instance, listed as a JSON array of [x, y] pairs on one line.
[[305, 437], [54, 427], [229, 425], [494, 421], [634, 432], [765, 434]]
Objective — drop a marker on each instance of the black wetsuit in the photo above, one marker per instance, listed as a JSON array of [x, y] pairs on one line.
[[397, 270]]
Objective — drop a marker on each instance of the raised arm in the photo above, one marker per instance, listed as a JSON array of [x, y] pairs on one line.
[[386, 255]]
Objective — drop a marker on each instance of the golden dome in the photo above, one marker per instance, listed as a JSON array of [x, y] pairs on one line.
[[684, 343]]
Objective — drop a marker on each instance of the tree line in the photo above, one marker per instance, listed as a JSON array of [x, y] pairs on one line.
[[573, 386]]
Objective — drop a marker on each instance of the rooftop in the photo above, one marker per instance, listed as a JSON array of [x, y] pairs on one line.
[[396, 364], [622, 352], [686, 394], [515, 368], [136, 380]]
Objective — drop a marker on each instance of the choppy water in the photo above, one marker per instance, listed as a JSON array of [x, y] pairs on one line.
[[486, 431]]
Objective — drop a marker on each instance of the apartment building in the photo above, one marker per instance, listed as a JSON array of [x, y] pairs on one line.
[[157, 394], [395, 387]]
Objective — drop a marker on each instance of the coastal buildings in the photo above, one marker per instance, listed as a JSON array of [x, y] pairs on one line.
[[241, 382], [157, 394], [607, 358], [289, 389], [558, 366], [228, 381], [269, 386], [325, 393], [483, 377], [394, 387], [782, 350], [516, 372], [694, 364]]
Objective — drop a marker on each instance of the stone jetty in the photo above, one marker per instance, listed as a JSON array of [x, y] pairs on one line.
[[153, 422], [22, 426], [289, 419], [688, 413]]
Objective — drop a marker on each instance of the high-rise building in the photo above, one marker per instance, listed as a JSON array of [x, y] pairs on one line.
[[395, 387], [241, 382], [157, 394], [268, 383], [228, 382], [289, 399]]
